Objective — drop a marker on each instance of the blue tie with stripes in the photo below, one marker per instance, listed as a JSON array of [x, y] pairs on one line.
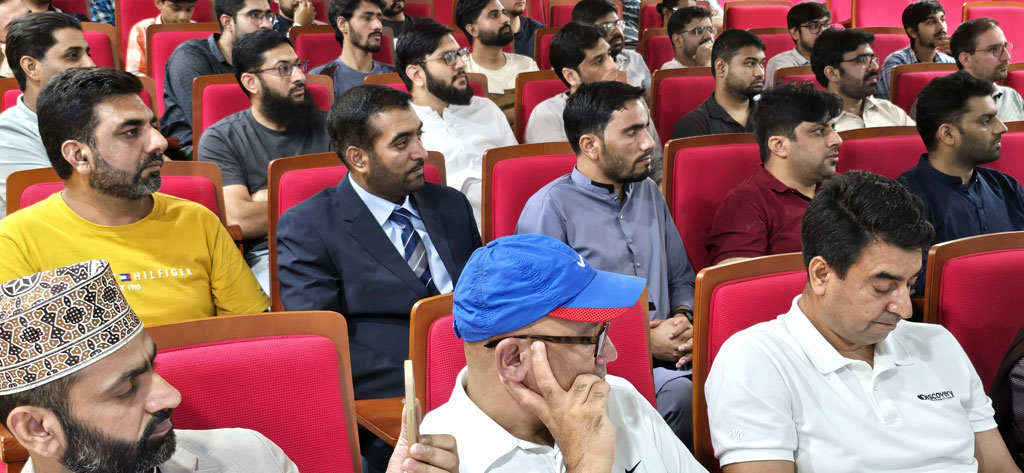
[[415, 251]]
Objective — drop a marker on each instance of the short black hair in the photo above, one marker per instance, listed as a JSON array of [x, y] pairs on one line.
[[349, 121], [666, 5], [945, 100], [590, 109], [830, 47], [33, 35], [52, 396], [857, 209], [965, 38], [66, 107], [678, 21], [569, 45], [806, 11], [467, 12], [227, 7], [179, 2], [917, 13], [250, 52], [589, 11], [730, 42], [417, 42], [783, 108], [345, 9]]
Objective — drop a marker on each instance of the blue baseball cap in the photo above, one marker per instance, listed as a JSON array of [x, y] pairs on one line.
[[515, 280]]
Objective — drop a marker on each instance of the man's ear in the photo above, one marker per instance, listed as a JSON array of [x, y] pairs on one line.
[[795, 34], [38, 430], [818, 274], [720, 68], [30, 66], [912, 32], [357, 159], [342, 25], [832, 74], [778, 146], [78, 155], [947, 134], [416, 75], [965, 59], [250, 82], [227, 23], [677, 41], [590, 146], [572, 77], [512, 362], [472, 31]]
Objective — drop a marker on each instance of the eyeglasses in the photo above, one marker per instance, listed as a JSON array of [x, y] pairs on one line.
[[599, 339], [257, 16], [816, 26], [997, 50], [864, 60], [285, 70], [450, 57], [608, 26], [702, 30]]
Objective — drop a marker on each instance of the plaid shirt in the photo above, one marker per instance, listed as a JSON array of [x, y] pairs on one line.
[[899, 58], [135, 55], [102, 11]]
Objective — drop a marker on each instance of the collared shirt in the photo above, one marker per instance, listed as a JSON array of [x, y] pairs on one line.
[[991, 202], [345, 77], [21, 147], [673, 64], [643, 442], [524, 37], [193, 58], [282, 25], [637, 238], [791, 58], [899, 58], [135, 55], [500, 80], [1009, 106], [876, 112], [709, 118], [546, 125], [780, 391], [632, 63], [761, 216], [381, 209]]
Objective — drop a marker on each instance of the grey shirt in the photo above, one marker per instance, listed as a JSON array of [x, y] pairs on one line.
[[638, 238], [21, 148], [345, 77], [193, 58]]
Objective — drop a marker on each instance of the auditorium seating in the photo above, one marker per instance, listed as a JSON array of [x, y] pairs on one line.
[[129, 12], [103, 46], [318, 44], [776, 40], [9, 93], [532, 88], [756, 14], [1009, 14], [73, 6], [1014, 79], [656, 47], [797, 75], [909, 79], [675, 93], [161, 40], [888, 151], [649, 16], [511, 175], [879, 13], [419, 8], [542, 45], [887, 41]]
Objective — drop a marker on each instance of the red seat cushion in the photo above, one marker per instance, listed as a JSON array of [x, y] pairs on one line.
[[73, 6], [163, 46], [1011, 20], [889, 156], [418, 9], [906, 88], [221, 100], [317, 48], [745, 17], [1011, 159], [678, 96], [445, 358], [100, 49], [650, 18], [888, 43], [300, 184], [195, 188], [1014, 80], [658, 51], [544, 61], [775, 43], [37, 192], [10, 98], [880, 13], [629, 334], [514, 181], [535, 92], [743, 303], [286, 388]]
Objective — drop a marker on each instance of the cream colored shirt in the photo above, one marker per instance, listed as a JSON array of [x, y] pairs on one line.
[[877, 112], [500, 80]]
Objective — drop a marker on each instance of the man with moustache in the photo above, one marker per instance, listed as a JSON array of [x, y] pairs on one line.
[[357, 28], [455, 123], [393, 16], [925, 24], [294, 13], [523, 27], [609, 211], [805, 21], [844, 63], [980, 48], [605, 16], [489, 29], [737, 63], [282, 121], [957, 120], [174, 258], [692, 38]]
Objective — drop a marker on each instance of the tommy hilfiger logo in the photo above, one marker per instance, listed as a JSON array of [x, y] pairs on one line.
[[940, 396]]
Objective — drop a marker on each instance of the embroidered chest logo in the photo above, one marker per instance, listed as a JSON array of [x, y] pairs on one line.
[[939, 396], [631, 470]]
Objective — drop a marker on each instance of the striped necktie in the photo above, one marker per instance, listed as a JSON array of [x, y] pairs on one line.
[[415, 251]]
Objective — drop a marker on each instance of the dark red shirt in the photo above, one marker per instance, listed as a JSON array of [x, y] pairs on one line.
[[759, 217]]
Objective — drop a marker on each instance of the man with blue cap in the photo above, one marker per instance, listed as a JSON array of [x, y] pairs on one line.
[[534, 396]]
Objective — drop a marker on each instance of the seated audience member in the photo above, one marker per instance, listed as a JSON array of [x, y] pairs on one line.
[[605, 16], [105, 408], [10, 10], [980, 48], [609, 190], [44, 45], [799, 152], [692, 38], [294, 13], [925, 24], [171, 12], [579, 55], [282, 121], [535, 394], [737, 62], [394, 17], [841, 383], [523, 27], [200, 57], [455, 123], [1008, 397], [489, 29], [957, 120], [174, 258], [805, 21], [376, 243], [844, 63], [102, 11], [667, 7], [357, 27]]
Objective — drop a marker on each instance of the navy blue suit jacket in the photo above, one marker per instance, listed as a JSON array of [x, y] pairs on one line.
[[332, 255]]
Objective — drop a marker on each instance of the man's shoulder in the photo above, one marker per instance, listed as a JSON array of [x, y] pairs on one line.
[[323, 67], [751, 190], [553, 193], [185, 210], [230, 449], [520, 62], [997, 177], [317, 209], [897, 57], [18, 120], [235, 121], [198, 47]]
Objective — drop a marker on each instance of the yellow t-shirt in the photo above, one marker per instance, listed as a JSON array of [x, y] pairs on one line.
[[177, 263]]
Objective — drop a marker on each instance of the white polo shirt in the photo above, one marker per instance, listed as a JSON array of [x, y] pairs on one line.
[[780, 391], [643, 442]]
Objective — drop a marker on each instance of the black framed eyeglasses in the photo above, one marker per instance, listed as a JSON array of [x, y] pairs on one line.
[[599, 340], [285, 70], [608, 26], [701, 30], [451, 57], [257, 16], [817, 26], [863, 60], [997, 50]]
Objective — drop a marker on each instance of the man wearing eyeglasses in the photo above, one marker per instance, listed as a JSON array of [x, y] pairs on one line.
[[805, 22], [980, 48], [200, 57], [844, 63], [692, 38], [535, 394], [925, 24], [358, 29], [281, 121], [605, 16]]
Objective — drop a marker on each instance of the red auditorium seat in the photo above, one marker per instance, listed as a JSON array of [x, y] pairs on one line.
[[103, 48], [727, 299], [235, 372], [909, 79], [542, 46], [129, 12], [391, 79], [444, 12], [73, 6], [1014, 80], [878, 13], [971, 290], [776, 40], [698, 173], [649, 16], [888, 151], [317, 44], [161, 40], [677, 92], [756, 14], [419, 9], [511, 175], [1011, 159], [536, 10], [1009, 14], [219, 95], [887, 41], [656, 47], [797, 75], [533, 88], [9, 93]]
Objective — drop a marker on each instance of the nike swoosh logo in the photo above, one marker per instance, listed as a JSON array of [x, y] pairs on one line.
[[583, 264], [631, 470]]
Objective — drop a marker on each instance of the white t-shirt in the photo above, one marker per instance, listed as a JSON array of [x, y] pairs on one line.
[[498, 81], [673, 64], [632, 63], [780, 391], [643, 441]]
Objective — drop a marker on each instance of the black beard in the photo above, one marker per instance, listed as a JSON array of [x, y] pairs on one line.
[[397, 7], [118, 183], [501, 37], [448, 93], [91, 451], [285, 112]]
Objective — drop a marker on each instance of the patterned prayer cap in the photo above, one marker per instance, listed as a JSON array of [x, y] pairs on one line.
[[57, 322]]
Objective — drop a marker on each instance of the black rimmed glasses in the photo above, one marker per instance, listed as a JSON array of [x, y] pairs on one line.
[[257, 16], [816, 26], [997, 50], [285, 70], [702, 30], [599, 340], [451, 57]]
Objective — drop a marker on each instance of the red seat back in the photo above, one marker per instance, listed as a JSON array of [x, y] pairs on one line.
[[676, 93], [650, 18], [445, 358], [878, 13], [743, 303], [531, 93], [161, 46], [198, 189], [1010, 17], [1011, 159], [537, 10], [888, 151], [797, 75], [775, 43], [444, 11], [318, 48], [658, 50], [907, 85], [101, 46], [739, 15], [73, 6], [514, 181], [841, 10], [10, 98], [888, 43], [419, 9], [300, 184], [130, 12], [561, 15], [542, 51], [37, 192], [1015, 78]]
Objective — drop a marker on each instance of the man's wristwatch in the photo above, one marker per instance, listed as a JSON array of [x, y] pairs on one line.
[[684, 311]]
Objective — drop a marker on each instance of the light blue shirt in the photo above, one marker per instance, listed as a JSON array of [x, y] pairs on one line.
[[21, 147], [899, 58], [381, 209]]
